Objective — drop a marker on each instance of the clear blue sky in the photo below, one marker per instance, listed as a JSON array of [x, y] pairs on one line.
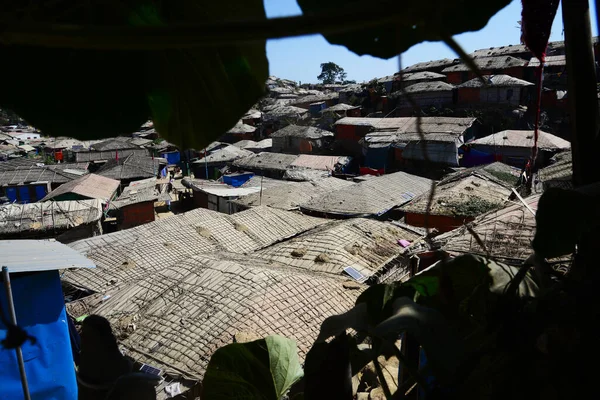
[[299, 58]]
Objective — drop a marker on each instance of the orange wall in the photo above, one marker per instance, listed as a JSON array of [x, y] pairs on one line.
[[442, 223]]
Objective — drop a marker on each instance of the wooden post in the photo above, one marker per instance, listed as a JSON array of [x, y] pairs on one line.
[[583, 99]]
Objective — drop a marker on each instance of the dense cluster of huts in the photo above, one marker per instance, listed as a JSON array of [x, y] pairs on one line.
[[316, 193]]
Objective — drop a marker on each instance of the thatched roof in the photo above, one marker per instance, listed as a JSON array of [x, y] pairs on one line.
[[126, 256], [489, 63], [495, 81], [514, 138], [91, 186], [185, 312], [506, 233], [306, 132], [17, 219], [366, 245], [372, 197]]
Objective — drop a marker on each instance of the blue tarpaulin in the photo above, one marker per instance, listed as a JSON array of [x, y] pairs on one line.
[[49, 364], [173, 157], [377, 157], [473, 158], [237, 180], [11, 193]]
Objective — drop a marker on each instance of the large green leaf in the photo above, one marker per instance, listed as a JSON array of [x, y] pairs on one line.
[[193, 94], [263, 369], [407, 22]]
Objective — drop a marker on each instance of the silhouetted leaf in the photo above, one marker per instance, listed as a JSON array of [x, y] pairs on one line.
[[193, 94], [561, 218], [441, 342], [328, 373], [412, 23], [263, 369]]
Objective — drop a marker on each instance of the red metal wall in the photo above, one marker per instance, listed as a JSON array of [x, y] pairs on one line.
[[442, 223], [353, 113], [468, 95], [137, 214], [454, 78]]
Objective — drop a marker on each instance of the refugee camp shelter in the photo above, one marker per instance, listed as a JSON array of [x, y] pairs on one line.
[[297, 139], [373, 197], [90, 186], [64, 220], [345, 247], [461, 197], [32, 267], [558, 174], [513, 147], [505, 234], [287, 195]]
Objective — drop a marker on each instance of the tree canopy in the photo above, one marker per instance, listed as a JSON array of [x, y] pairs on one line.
[[331, 73]]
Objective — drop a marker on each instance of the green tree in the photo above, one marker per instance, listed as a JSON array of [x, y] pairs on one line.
[[331, 73]]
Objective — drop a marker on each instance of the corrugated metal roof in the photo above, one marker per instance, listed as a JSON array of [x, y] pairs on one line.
[[40, 255]]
